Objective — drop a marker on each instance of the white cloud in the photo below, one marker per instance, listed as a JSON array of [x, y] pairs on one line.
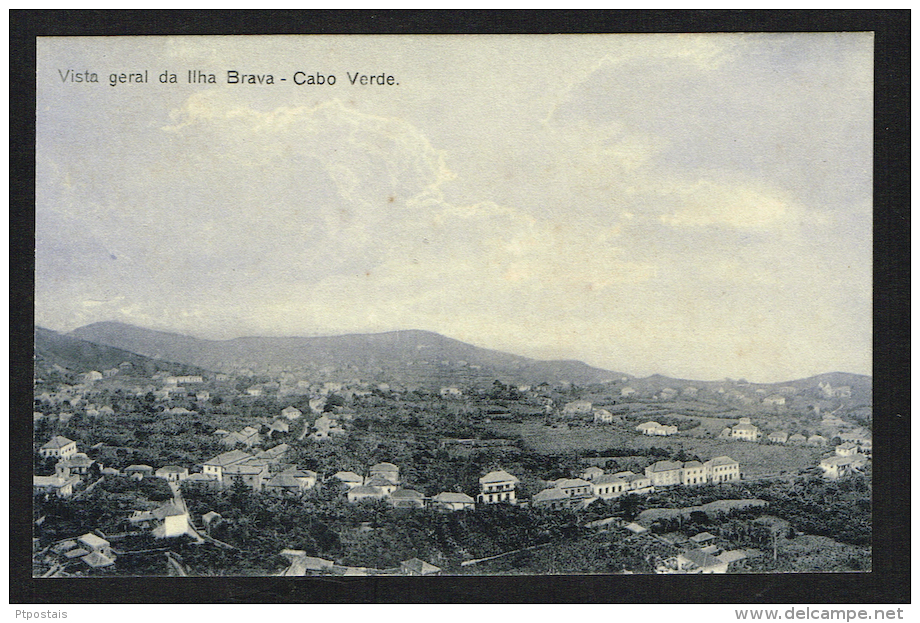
[[707, 203]]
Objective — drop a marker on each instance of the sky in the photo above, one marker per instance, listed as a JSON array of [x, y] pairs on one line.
[[698, 206]]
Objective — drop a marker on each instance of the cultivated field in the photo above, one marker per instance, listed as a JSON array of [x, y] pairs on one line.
[[757, 459]]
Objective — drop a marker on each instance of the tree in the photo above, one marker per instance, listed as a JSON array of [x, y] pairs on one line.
[[239, 492]]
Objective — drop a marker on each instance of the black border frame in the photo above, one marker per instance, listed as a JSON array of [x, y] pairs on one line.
[[889, 582]]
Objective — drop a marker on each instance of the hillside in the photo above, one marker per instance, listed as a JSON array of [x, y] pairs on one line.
[[860, 385], [56, 350], [413, 356]]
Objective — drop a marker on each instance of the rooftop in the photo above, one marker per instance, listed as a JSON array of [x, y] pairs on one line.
[[498, 476], [57, 442]]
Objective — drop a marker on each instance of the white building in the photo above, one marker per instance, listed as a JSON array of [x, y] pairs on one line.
[[59, 447], [497, 486]]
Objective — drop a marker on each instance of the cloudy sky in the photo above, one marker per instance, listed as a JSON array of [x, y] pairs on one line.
[[697, 206]]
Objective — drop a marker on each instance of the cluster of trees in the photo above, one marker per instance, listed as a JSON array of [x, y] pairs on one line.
[[371, 534], [106, 507]]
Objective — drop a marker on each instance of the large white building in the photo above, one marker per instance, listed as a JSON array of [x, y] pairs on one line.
[[714, 471], [497, 486], [59, 447], [745, 431]]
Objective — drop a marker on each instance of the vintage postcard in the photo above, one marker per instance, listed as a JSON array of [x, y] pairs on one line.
[[453, 305]]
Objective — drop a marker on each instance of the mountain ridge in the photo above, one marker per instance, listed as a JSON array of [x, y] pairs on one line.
[[376, 353], [433, 356]]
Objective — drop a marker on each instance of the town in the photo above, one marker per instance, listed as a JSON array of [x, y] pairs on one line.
[[153, 468]]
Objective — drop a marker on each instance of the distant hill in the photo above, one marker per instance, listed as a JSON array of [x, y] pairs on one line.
[[412, 356], [859, 384], [79, 356]]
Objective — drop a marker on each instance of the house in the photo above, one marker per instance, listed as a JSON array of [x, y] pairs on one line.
[[202, 396], [279, 425], [306, 477], [778, 437], [211, 518], [690, 391], [215, 466], [59, 447], [172, 473], [407, 498], [167, 521], [359, 493], [77, 465], [99, 551], [179, 380], [609, 486], [138, 472], [775, 401], [286, 483], [449, 501], [635, 528], [702, 537], [732, 558], [450, 392], [174, 521], [697, 561], [552, 498], [847, 448], [860, 437], [577, 407], [302, 565], [654, 428], [638, 483], [349, 479], [722, 469], [664, 473], [92, 376], [592, 472], [497, 486], [291, 413], [326, 427], [573, 487], [796, 438], [201, 482], [250, 474], [693, 473], [603, 416], [247, 437], [837, 466], [817, 440], [273, 455], [385, 470], [745, 431], [382, 483], [415, 566], [844, 391], [668, 393], [59, 486], [626, 392]]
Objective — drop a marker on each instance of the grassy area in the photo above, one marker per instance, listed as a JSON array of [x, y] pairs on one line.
[[819, 554], [757, 459]]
